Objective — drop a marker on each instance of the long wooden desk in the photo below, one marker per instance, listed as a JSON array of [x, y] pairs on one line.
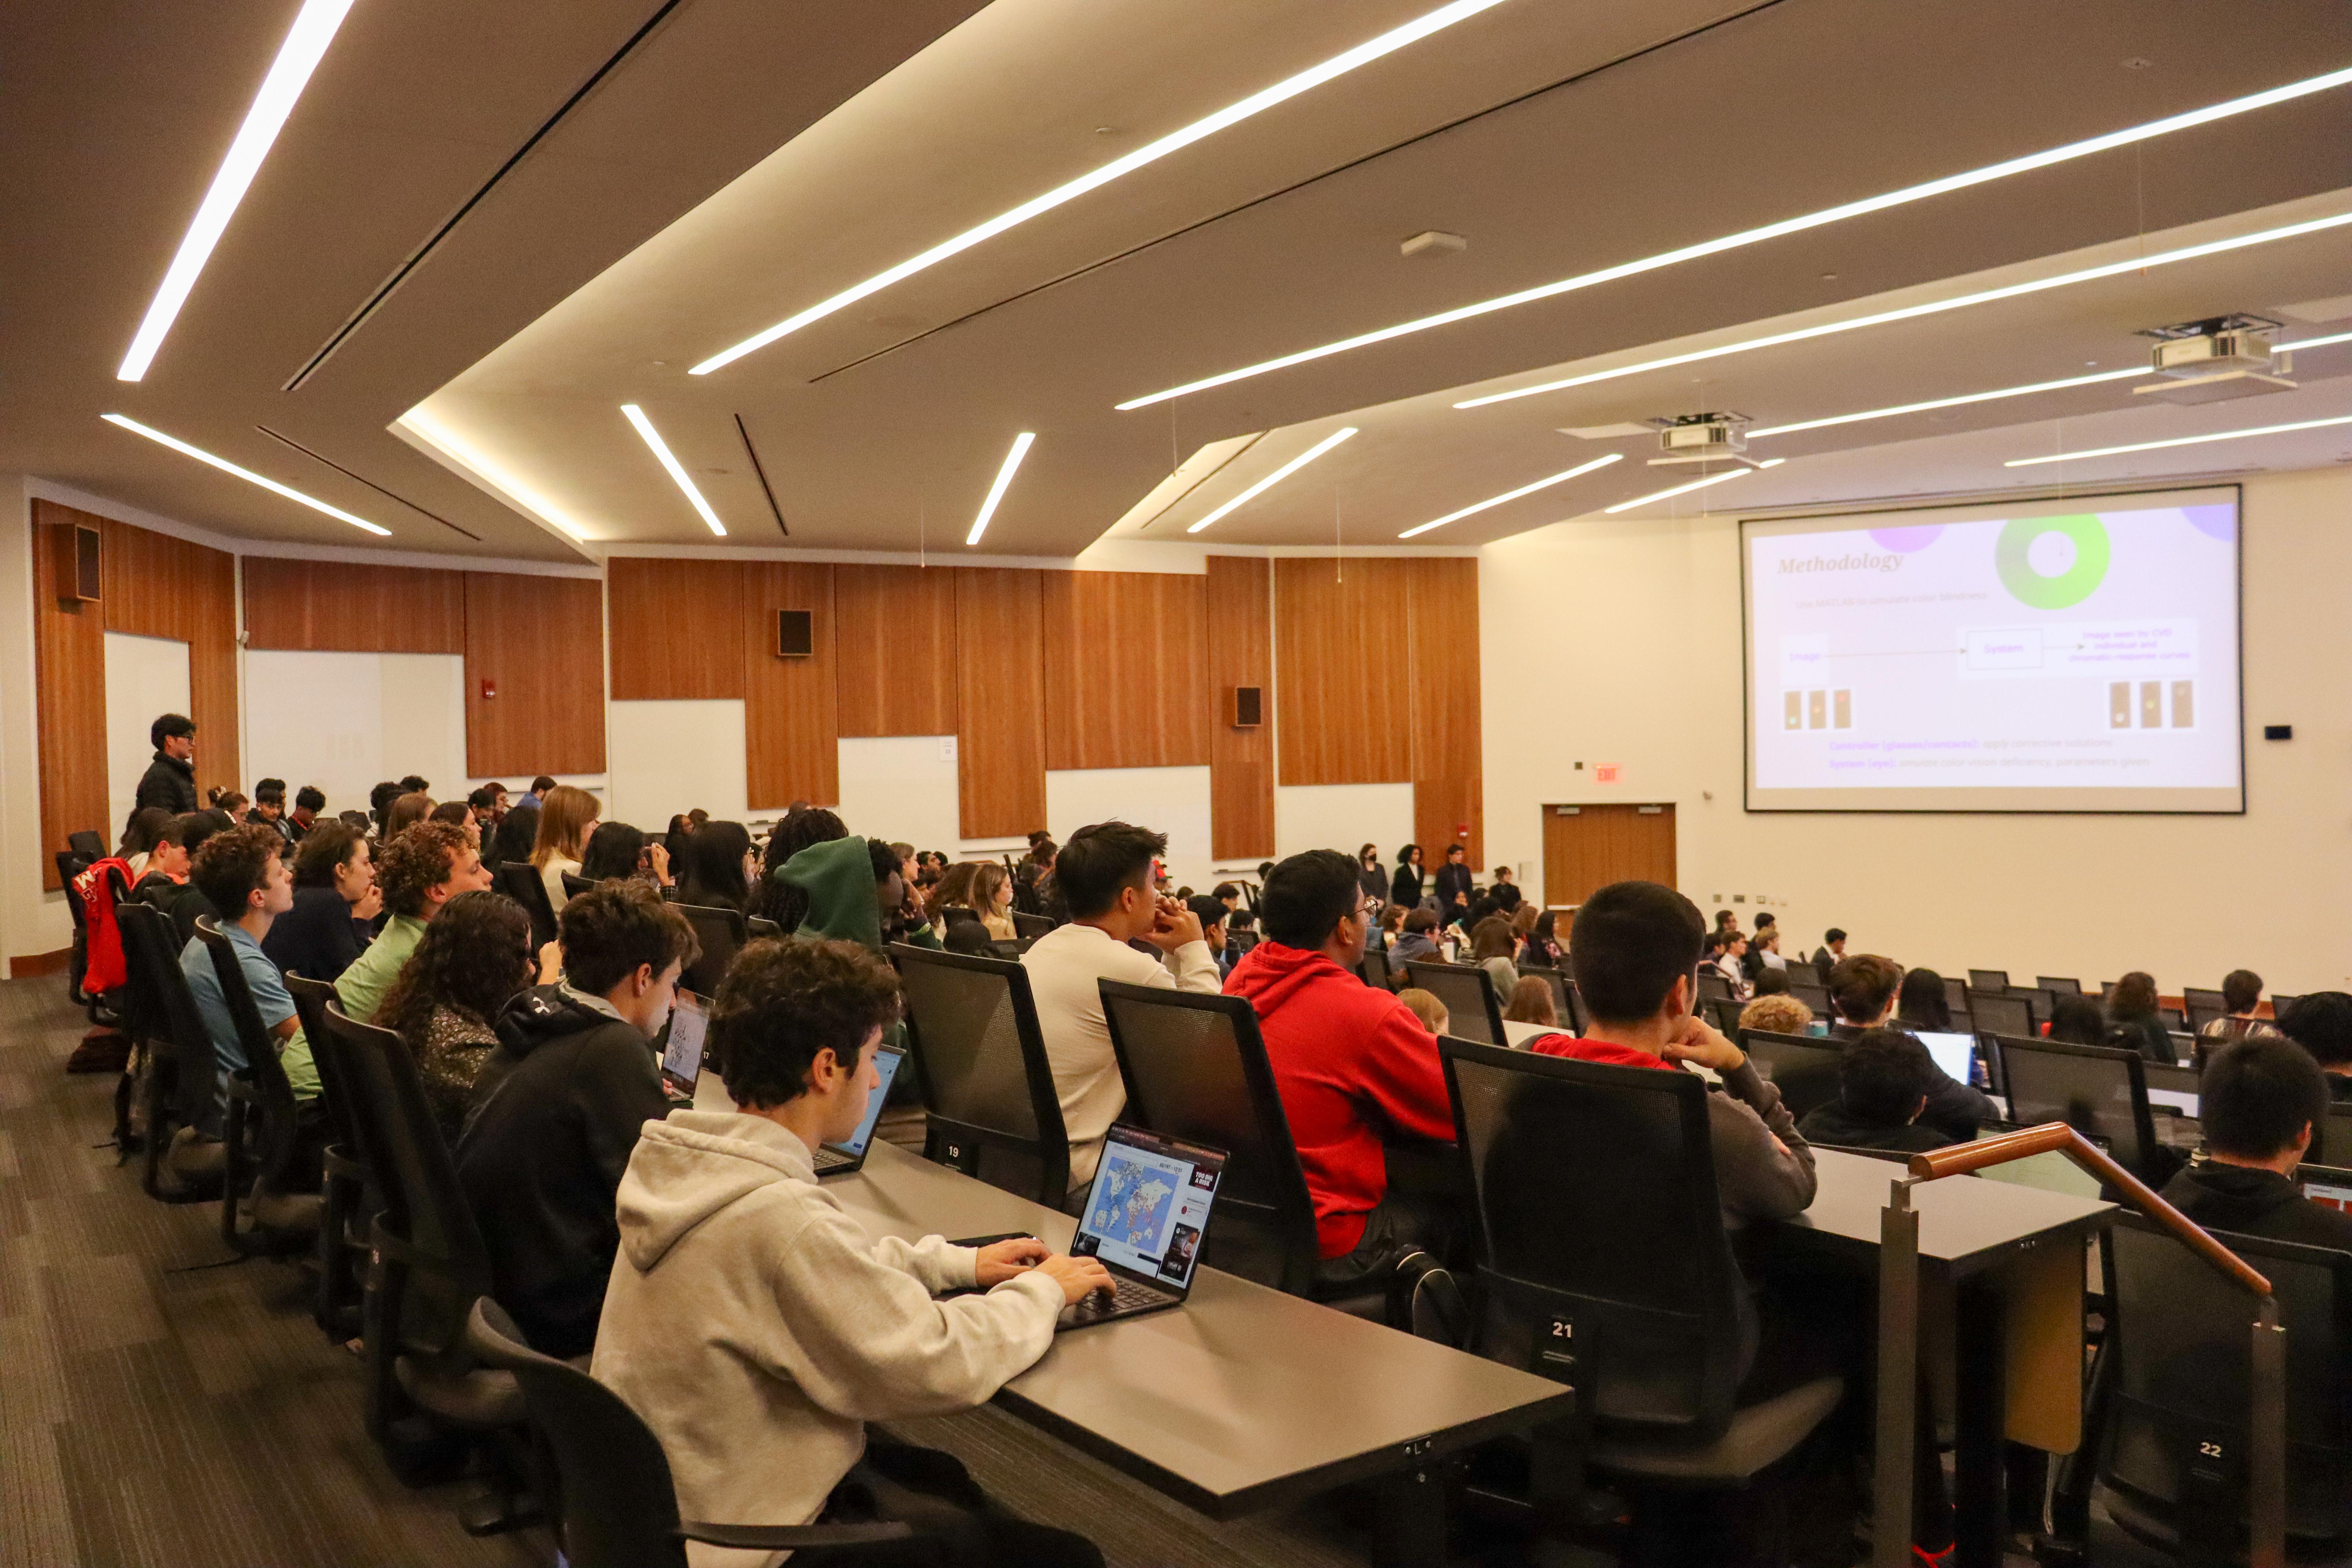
[[1242, 1399], [2006, 1262]]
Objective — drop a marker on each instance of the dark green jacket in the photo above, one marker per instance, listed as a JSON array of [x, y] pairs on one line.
[[839, 878]]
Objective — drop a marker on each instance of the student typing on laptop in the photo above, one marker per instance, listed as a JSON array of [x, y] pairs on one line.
[[757, 1327]]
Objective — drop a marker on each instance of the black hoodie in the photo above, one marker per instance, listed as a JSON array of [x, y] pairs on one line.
[[555, 1115], [2255, 1202], [170, 783]]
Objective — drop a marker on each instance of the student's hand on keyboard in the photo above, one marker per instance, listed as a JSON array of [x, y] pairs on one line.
[[1079, 1276], [1000, 1261], [1697, 1041]]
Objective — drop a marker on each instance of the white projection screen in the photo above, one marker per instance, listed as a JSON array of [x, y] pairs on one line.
[[2049, 655]]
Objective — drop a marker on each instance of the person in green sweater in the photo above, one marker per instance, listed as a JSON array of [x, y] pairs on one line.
[[857, 892], [418, 870]]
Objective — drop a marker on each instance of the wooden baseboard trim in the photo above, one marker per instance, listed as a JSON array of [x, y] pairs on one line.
[[32, 965]]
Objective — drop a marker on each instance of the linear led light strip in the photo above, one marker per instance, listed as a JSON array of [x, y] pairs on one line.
[[1231, 114], [515, 491], [2178, 441], [305, 44], [1903, 198], [1514, 495], [1931, 308], [1686, 489], [1021, 444], [247, 475], [637, 416], [1277, 477]]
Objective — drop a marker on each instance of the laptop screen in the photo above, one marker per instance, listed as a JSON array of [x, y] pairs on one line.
[[2327, 1185], [1956, 1054], [690, 1021], [1149, 1206], [885, 1067]]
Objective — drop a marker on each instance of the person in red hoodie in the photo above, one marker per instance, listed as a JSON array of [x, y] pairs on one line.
[[1353, 1064]]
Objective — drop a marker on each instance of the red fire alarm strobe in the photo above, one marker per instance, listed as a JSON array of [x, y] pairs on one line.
[[489, 688], [1461, 830]]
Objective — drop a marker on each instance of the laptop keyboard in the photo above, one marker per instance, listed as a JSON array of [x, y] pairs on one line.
[[1126, 1296], [826, 1159]]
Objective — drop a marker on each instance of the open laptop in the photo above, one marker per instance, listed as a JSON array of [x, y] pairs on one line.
[[1145, 1216], [840, 1159], [2329, 1184], [1955, 1053], [681, 1066]]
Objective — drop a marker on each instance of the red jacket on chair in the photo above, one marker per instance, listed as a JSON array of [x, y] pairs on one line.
[[103, 966]]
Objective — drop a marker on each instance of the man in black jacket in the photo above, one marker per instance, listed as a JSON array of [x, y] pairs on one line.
[[1862, 989], [558, 1106], [1454, 883], [170, 781], [2259, 1101]]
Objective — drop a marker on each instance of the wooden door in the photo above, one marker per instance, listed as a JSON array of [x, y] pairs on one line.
[[1586, 847]]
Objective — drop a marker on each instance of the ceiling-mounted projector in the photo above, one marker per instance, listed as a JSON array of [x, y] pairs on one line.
[[1701, 438], [2214, 361]]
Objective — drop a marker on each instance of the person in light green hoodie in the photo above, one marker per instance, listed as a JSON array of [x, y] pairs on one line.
[[856, 893]]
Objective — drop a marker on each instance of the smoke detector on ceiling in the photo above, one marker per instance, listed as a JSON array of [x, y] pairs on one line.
[[1701, 438], [2214, 361]]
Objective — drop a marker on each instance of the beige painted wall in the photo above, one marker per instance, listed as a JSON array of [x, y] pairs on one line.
[[1618, 642]]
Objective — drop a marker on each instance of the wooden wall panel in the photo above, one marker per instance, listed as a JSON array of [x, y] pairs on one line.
[[792, 715], [1341, 679], [1239, 614], [677, 627], [159, 587], [336, 606], [69, 698], [1126, 656], [542, 640], [1442, 654], [895, 649], [999, 665]]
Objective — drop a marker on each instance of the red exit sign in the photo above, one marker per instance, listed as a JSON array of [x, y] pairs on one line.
[[1605, 773]]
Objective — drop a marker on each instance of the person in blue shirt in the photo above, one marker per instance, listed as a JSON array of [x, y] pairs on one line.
[[242, 873]]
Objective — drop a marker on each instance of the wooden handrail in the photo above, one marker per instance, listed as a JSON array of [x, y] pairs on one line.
[[2057, 1137]]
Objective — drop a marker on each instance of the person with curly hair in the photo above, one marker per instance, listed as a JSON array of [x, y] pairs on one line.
[[473, 959], [787, 903], [757, 1326], [1780, 1013], [419, 872]]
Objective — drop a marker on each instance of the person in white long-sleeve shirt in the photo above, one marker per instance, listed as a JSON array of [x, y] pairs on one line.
[[756, 1327], [1104, 875]]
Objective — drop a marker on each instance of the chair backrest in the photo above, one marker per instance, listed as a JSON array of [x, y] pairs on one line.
[[166, 1008], [1988, 979], [1031, 925], [1372, 969], [310, 999], [1817, 997], [1805, 1071], [1468, 993], [2334, 1145], [574, 886], [1566, 1006], [2059, 986], [722, 934], [1602, 1246], [424, 1206], [2041, 1005], [2098, 1090], [987, 1084], [519, 880], [1712, 985], [1725, 1011], [2279, 1005], [2181, 1380], [619, 1506], [88, 843], [1196, 1068], [262, 1065], [70, 866], [1999, 1012]]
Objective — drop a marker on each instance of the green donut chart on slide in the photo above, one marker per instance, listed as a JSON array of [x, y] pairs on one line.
[[2070, 587]]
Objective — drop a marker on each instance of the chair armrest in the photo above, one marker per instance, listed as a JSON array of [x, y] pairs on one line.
[[792, 1537]]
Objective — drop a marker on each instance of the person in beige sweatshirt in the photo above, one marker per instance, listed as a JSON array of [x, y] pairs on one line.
[[755, 1325]]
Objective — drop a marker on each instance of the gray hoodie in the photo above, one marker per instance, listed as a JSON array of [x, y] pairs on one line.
[[756, 1326]]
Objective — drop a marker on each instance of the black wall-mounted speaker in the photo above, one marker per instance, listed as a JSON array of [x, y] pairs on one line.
[[1249, 706], [77, 564], [795, 634]]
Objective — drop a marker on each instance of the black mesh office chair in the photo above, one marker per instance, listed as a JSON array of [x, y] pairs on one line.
[[1988, 979], [1955, 995], [2098, 1090], [2059, 986], [1372, 969], [1467, 992], [1805, 1070], [2334, 1144], [1712, 985], [1032, 926], [519, 880], [261, 1212], [1724, 1014], [347, 1174], [2178, 1387], [182, 1164], [1566, 1006], [1196, 1068], [1999, 1012], [988, 1090], [431, 1267], [722, 934], [2202, 1006], [1816, 997], [574, 886], [1605, 1266], [2279, 1005], [618, 1505]]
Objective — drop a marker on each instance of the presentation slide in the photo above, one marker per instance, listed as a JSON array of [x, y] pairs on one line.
[[2075, 655]]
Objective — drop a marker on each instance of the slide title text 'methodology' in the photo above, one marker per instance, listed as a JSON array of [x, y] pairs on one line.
[[1850, 562]]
